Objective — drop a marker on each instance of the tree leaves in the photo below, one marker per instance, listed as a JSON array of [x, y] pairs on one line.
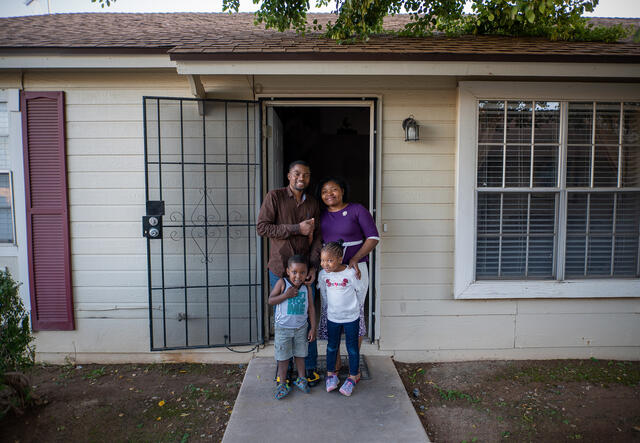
[[359, 19], [103, 3]]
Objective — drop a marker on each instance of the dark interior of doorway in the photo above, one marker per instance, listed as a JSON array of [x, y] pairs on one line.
[[335, 141]]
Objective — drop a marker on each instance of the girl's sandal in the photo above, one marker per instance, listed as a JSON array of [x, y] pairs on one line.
[[282, 389], [347, 387]]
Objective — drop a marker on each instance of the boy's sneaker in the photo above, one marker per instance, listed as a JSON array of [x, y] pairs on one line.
[[347, 387], [313, 378], [302, 384], [282, 389], [331, 382]]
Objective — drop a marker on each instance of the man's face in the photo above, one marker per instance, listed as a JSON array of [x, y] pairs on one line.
[[299, 177]]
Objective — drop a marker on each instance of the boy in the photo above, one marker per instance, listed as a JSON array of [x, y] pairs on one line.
[[293, 308]]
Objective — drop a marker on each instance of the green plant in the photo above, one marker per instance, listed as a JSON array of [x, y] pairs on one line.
[[16, 350], [414, 376], [94, 374], [453, 394], [597, 372]]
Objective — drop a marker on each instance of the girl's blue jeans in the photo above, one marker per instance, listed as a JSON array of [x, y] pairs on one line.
[[334, 330], [311, 361]]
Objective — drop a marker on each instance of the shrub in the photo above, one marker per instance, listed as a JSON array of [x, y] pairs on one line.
[[16, 351]]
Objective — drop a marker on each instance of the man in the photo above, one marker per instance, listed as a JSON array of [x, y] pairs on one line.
[[288, 219]]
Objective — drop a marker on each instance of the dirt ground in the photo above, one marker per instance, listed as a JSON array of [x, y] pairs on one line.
[[127, 403], [482, 401], [520, 401]]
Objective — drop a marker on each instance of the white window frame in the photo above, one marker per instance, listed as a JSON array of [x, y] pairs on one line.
[[12, 208], [8, 248], [18, 248], [465, 285]]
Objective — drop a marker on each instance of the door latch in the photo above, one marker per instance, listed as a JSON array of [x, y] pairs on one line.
[[152, 222]]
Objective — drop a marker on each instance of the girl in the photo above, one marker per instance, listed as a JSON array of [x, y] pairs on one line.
[[342, 294], [354, 224]]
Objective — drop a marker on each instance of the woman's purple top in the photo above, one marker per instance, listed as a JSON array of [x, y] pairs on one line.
[[351, 224]]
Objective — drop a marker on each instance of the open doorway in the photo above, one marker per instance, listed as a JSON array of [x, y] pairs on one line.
[[335, 139]]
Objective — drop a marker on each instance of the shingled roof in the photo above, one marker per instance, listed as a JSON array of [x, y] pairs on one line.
[[211, 36]]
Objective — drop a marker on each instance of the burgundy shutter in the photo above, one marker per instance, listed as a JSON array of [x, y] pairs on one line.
[[47, 214]]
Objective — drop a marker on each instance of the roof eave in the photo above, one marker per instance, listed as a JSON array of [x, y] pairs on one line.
[[83, 50], [403, 56]]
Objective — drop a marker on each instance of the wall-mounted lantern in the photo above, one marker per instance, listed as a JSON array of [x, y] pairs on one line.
[[411, 129]]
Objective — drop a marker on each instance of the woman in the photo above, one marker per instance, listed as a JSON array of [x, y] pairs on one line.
[[353, 224]]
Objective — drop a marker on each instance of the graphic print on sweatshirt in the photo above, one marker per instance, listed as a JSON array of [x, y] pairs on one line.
[[296, 305], [342, 282]]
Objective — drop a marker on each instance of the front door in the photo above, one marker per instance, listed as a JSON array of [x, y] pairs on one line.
[[336, 137], [203, 189]]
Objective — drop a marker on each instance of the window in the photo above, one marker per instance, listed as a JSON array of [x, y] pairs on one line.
[[519, 189], [554, 175], [6, 193]]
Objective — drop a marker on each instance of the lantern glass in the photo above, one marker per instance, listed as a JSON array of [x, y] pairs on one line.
[[411, 129], [412, 132]]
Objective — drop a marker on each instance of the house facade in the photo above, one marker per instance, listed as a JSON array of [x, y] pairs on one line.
[[137, 149]]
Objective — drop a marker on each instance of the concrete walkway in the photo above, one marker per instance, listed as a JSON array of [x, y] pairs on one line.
[[378, 411]]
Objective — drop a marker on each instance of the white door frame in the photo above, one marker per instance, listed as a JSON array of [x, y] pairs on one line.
[[374, 103]]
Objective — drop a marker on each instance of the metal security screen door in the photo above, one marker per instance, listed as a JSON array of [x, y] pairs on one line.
[[203, 187]]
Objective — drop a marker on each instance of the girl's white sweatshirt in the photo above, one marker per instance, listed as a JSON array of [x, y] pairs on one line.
[[343, 294]]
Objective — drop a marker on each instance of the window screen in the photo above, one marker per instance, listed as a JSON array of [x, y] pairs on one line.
[[530, 213], [517, 182], [6, 212]]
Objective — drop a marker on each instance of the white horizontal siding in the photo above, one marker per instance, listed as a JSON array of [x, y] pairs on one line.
[[404, 260], [113, 295], [418, 315], [418, 195], [417, 178], [105, 179], [577, 330], [447, 332], [578, 306], [424, 291], [423, 228], [417, 275], [408, 162], [418, 211], [417, 243], [430, 308], [101, 262]]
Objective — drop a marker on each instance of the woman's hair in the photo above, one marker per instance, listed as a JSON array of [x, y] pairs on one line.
[[338, 181], [333, 247]]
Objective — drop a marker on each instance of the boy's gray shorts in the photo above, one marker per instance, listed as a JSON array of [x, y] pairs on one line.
[[290, 342]]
